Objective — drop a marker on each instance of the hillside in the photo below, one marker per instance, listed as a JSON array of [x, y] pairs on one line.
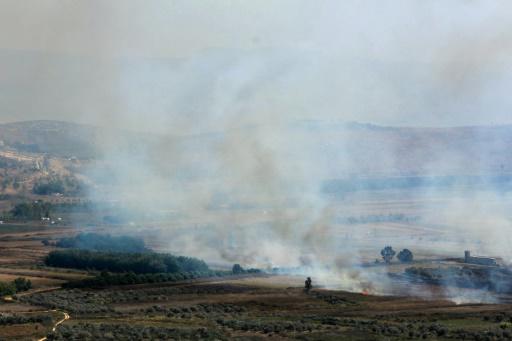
[[326, 150], [320, 150], [58, 139]]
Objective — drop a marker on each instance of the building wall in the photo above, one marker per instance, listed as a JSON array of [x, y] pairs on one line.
[[481, 261], [478, 260]]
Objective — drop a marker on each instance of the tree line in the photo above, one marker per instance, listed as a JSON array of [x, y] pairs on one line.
[[139, 263], [103, 242], [34, 210], [106, 279]]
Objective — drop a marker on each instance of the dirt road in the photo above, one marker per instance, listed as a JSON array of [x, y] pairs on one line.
[[65, 317]]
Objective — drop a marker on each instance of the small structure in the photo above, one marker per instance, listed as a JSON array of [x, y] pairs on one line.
[[479, 260]]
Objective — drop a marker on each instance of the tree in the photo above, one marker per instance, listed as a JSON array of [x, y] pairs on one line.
[[237, 269], [387, 254], [48, 187], [22, 284], [405, 256]]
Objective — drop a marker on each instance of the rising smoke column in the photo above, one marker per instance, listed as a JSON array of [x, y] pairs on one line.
[[219, 87]]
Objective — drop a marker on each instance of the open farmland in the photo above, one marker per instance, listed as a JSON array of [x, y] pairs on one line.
[[377, 305], [260, 308]]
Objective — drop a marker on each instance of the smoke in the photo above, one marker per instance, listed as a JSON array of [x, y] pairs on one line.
[[230, 117], [195, 66]]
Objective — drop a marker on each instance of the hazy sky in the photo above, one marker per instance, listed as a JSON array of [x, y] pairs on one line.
[[206, 65]]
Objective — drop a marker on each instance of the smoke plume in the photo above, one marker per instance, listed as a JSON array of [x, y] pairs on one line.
[[225, 120]]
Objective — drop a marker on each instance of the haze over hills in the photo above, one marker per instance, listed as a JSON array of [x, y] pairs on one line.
[[341, 149], [55, 138]]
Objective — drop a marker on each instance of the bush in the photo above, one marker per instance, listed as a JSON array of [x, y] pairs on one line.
[[48, 187]]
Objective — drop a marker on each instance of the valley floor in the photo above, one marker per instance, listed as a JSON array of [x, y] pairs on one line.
[[245, 308]]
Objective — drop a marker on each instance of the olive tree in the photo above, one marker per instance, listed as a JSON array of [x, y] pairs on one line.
[[387, 254], [405, 256]]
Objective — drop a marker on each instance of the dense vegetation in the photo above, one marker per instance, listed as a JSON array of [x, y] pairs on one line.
[[34, 210], [6, 320], [64, 185], [140, 263], [103, 242], [238, 270], [489, 278], [106, 279], [18, 285], [48, 187], [161, 313], [90, 331], [80, 301]]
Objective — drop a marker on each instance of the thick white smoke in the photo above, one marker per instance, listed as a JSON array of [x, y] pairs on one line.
[[244, 106]]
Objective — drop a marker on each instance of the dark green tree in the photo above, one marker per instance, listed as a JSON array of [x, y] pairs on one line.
[[237, 269], [387, 254], [405, 256], [22, 284]]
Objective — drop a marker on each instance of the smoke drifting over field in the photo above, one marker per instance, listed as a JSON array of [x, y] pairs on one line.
[[245, 106]]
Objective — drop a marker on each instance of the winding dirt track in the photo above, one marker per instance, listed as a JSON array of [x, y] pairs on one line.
[[65, 317]]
